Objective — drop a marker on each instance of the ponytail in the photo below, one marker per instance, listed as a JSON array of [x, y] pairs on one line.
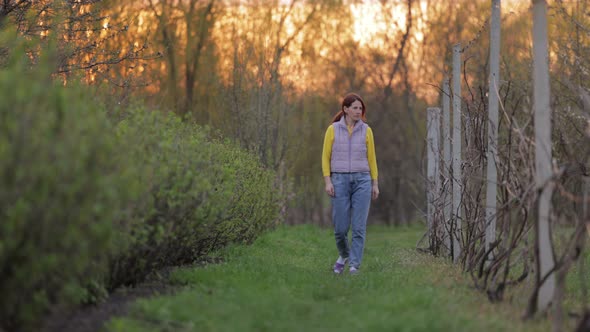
[[338, 116]]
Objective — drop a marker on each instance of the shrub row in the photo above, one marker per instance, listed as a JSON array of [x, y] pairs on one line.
[[88, 204], [197, 195]]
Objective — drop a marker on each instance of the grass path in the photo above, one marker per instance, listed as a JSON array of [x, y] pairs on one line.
[[283, 282]]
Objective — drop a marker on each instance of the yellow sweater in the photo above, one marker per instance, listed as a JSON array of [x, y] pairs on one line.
[[327, 152]]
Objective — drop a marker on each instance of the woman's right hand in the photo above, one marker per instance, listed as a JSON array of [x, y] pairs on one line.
[[329, 187]]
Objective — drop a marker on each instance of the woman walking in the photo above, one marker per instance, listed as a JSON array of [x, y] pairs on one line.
[[350, 173]]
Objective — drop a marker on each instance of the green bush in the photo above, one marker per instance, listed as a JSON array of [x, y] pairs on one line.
[[90, 203], [60, 191], [199, 194], [255, 199]]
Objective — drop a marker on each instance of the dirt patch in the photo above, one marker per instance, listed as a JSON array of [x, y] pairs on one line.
[[93, 318]]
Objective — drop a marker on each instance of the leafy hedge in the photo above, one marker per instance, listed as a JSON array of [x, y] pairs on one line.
[[87, 204], [59, 192], [199, 194]]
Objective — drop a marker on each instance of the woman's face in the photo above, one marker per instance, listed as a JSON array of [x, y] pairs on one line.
[[355, 111]]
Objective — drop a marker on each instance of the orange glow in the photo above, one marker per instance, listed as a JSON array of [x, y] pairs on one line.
[[371, 18], [247, 39], [44, 32]]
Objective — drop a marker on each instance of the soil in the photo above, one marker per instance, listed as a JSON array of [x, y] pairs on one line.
[[92, 318]]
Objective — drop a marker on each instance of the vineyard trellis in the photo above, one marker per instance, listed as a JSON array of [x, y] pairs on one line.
[[498, 190]]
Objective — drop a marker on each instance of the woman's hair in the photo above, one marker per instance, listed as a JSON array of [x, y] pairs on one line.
[[346, 102]]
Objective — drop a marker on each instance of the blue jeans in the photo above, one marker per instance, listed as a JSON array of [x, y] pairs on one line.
[[350, 204]]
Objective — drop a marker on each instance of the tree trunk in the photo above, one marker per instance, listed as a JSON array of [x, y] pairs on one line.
[[193, 53]]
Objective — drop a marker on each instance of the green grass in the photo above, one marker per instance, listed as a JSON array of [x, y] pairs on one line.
[[283, 282]]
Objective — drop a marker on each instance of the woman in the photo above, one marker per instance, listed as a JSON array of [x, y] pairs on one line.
[[349, 166]]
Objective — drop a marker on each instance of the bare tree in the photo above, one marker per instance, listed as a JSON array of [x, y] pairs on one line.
[[198, 23], [81, 30]]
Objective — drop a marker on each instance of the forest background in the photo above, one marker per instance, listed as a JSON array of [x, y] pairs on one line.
[[271, 74]]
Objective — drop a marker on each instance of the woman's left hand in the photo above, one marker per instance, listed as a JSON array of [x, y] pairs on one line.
[[375, 190]]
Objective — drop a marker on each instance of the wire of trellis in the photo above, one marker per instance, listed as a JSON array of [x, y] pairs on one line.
[[478, 34], [484, 28]]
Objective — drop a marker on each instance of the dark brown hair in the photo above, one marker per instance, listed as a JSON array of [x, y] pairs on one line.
[[346, 102]]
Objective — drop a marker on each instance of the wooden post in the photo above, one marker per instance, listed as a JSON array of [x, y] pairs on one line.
[[432, 173], [585, 215], [493, 97], [447, 166], [457, 178], [543, 156]]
